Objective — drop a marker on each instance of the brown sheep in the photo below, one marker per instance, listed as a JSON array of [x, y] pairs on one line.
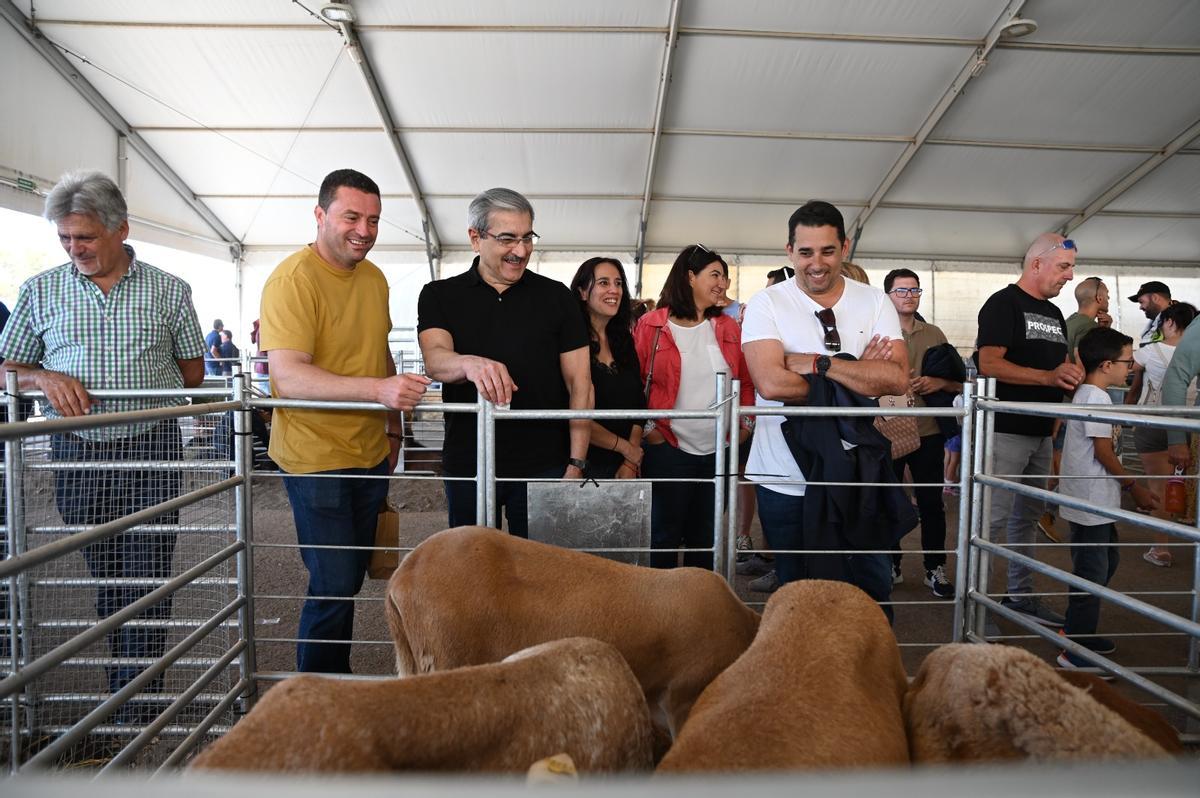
[[974, 702], [819, 688], [1149, 722], [576, 696], [472, 595]]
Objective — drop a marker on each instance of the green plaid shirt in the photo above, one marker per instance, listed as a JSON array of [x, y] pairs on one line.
[[129, 339]]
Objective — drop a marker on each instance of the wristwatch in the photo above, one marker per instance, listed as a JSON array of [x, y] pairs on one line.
[[821, 364], [580, 464]]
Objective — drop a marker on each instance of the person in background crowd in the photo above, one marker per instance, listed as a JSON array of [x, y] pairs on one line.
[[1153, 298], [325, 323], [514, 337], [790, 331], [229, 352], [855, 272], [212, 349], [681, 346], [1023, 344], [615, 449], [1091, 295], [1181, 373], [903, 287], [61, 338], [1149, 373]]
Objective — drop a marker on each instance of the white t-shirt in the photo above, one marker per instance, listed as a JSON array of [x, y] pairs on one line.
[[785, 313], [700, 360], [1079, 460], [1154, 358]]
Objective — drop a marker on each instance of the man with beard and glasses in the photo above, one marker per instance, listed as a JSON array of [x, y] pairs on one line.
[[791, 329], [516, 338], [1023, 344], [325, 324]]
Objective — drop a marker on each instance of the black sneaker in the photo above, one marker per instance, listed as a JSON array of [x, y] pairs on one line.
[[1035, 609], [1101, 645], [897, 577], [937, 582], [754, 565], [1069, 661]]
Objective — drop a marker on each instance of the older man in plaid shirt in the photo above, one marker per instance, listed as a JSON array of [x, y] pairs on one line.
[[109, 321]]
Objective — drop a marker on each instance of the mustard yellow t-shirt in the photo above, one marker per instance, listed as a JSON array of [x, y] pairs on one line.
[[341, 319]]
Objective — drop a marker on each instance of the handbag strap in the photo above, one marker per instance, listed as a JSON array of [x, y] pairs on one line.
[[650, 368]]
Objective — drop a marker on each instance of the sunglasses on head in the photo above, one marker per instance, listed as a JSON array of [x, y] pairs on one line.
[[833, 341], [1066, 243]]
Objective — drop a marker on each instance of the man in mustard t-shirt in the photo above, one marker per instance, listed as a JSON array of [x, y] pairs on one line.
[[325, 323]]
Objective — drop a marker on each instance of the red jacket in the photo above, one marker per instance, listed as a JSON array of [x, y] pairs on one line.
[[667, 367]]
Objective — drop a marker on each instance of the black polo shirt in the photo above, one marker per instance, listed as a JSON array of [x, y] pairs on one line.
[[526, 328]]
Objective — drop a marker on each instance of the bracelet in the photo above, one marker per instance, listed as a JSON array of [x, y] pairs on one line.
[[636, 470], [616, 442]]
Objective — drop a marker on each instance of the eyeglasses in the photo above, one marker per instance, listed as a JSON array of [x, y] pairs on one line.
[[1128, 363], [833, 341], [1066, 243], [1099, 284], [509, 240], [907, 291]]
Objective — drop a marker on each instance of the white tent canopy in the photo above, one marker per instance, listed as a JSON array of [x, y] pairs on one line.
[[1085, 125]]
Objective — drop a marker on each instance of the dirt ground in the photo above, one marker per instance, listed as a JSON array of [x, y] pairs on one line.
[[922, 621]]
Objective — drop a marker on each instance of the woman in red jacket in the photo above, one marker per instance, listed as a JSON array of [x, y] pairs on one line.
[[681, 347]]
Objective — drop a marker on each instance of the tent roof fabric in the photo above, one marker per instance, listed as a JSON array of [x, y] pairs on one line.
[[769, 103]]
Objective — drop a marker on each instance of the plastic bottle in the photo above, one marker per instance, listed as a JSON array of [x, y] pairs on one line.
[[1176, 498]]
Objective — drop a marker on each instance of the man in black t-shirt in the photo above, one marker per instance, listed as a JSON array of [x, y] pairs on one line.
[[517, 338], [1023, 344]]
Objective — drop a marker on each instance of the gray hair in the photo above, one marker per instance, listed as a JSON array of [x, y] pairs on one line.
[[495, 199], [89, 193]]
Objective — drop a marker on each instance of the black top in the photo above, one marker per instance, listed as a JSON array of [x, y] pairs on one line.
[[526, 328], [615, 389], [1035, 335]]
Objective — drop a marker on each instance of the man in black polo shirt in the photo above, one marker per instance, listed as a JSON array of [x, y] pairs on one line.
[[516, 338], [1023, 344]]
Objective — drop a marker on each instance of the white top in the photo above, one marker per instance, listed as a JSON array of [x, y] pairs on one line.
[[785, 313], [1154, 358], [700, 360], [1079, 460]]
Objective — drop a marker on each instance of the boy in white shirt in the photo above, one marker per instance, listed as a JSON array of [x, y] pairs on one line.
[[1093, 473]]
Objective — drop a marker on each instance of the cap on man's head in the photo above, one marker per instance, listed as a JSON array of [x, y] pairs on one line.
[[1152, 287]]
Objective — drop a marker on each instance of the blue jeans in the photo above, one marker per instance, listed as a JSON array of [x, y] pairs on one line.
[[681, 513], [782, 519], [1095, 563], [511, 497], [91, 496], [333, 512]]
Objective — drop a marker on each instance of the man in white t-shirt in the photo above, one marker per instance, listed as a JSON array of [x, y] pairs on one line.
[[790, 330]]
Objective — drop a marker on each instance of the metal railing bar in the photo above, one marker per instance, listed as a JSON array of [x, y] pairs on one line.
[[203, 727], [93, 718], [1188, 533], [1116, 597], [1106, 664], [57, 655], [169, 713], [67, 545], [51, 426]]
